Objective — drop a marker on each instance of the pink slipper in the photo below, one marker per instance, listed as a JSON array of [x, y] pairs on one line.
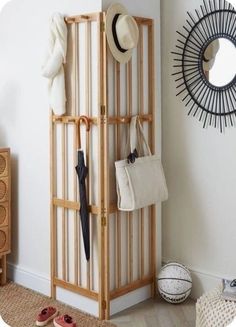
[[64, 321], [46, 315]]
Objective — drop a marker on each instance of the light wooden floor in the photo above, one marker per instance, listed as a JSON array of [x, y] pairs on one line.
[[157, 313]]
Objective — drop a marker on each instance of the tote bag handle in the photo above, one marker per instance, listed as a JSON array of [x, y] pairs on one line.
[[137, 138]]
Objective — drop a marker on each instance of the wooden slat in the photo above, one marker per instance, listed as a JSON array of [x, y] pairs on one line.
[[82, 18], [74, 69], [74, 205], [151, 106], [53, 225], [118, 156], [66, 210], [88, 114], [63, 209], [89, 156], [131, 287], [72, 119], [103, 221], [142, 243], [76, 216], [75, 146], [110, 120], [78, 113], [127, 119], [102, 84], [75, 288], [130, 214], [143, 21], [106, 185], [141, 109]]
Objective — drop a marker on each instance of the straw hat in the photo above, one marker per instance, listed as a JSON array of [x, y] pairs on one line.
[[210, 55], [122, 32]]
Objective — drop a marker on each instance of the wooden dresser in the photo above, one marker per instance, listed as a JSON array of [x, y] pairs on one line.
[[5, 211]]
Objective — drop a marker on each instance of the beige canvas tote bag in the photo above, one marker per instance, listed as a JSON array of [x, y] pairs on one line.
[[140, 181]]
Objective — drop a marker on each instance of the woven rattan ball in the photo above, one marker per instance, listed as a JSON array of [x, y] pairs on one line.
[[3, 214], [3, 239], [3, 190], [2, 164]]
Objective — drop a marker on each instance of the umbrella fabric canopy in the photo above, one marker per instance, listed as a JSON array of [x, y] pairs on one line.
[[82, 172]]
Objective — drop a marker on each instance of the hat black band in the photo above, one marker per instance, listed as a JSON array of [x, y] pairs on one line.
[[115, 35]]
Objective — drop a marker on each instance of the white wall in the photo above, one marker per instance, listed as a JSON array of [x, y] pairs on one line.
[[24, 127], [199, 217]]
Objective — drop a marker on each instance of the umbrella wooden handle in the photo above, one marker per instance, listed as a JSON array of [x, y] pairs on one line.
[[86, 121]]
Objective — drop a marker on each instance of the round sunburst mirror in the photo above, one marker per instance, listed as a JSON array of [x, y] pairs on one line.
[[205, 64]]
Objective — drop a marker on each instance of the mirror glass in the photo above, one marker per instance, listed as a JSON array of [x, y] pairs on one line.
[[219, 62]]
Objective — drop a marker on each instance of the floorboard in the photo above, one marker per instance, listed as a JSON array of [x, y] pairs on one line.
[[158, 313]]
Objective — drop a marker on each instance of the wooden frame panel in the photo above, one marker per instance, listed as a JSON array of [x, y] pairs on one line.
[[102, 210], [148, 118]]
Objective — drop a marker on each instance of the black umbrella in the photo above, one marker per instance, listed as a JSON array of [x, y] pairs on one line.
[[82, 172]]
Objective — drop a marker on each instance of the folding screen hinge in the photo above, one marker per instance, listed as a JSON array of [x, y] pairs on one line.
[[104, 304], [103, 110], [102, 27], [103, 114], [104, 221]]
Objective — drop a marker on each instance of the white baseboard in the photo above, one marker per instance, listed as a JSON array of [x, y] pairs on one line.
[[41, 284], [126, 301], [202, 281], [29, 279], [77, 301]]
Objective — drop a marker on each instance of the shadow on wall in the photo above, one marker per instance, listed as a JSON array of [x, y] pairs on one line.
[[9, 97], [10, 86], [2, 135], [14, 213], [184, 217], [9, 94]]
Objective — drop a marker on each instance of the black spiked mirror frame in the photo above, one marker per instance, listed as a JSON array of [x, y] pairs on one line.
[[212, 105]]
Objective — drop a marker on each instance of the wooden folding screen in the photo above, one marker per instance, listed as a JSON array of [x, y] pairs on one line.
[[123, 249]]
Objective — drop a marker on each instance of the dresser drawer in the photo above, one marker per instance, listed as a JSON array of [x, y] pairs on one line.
[[4, 214], [4, 163], [4, 189], [4, 240]]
